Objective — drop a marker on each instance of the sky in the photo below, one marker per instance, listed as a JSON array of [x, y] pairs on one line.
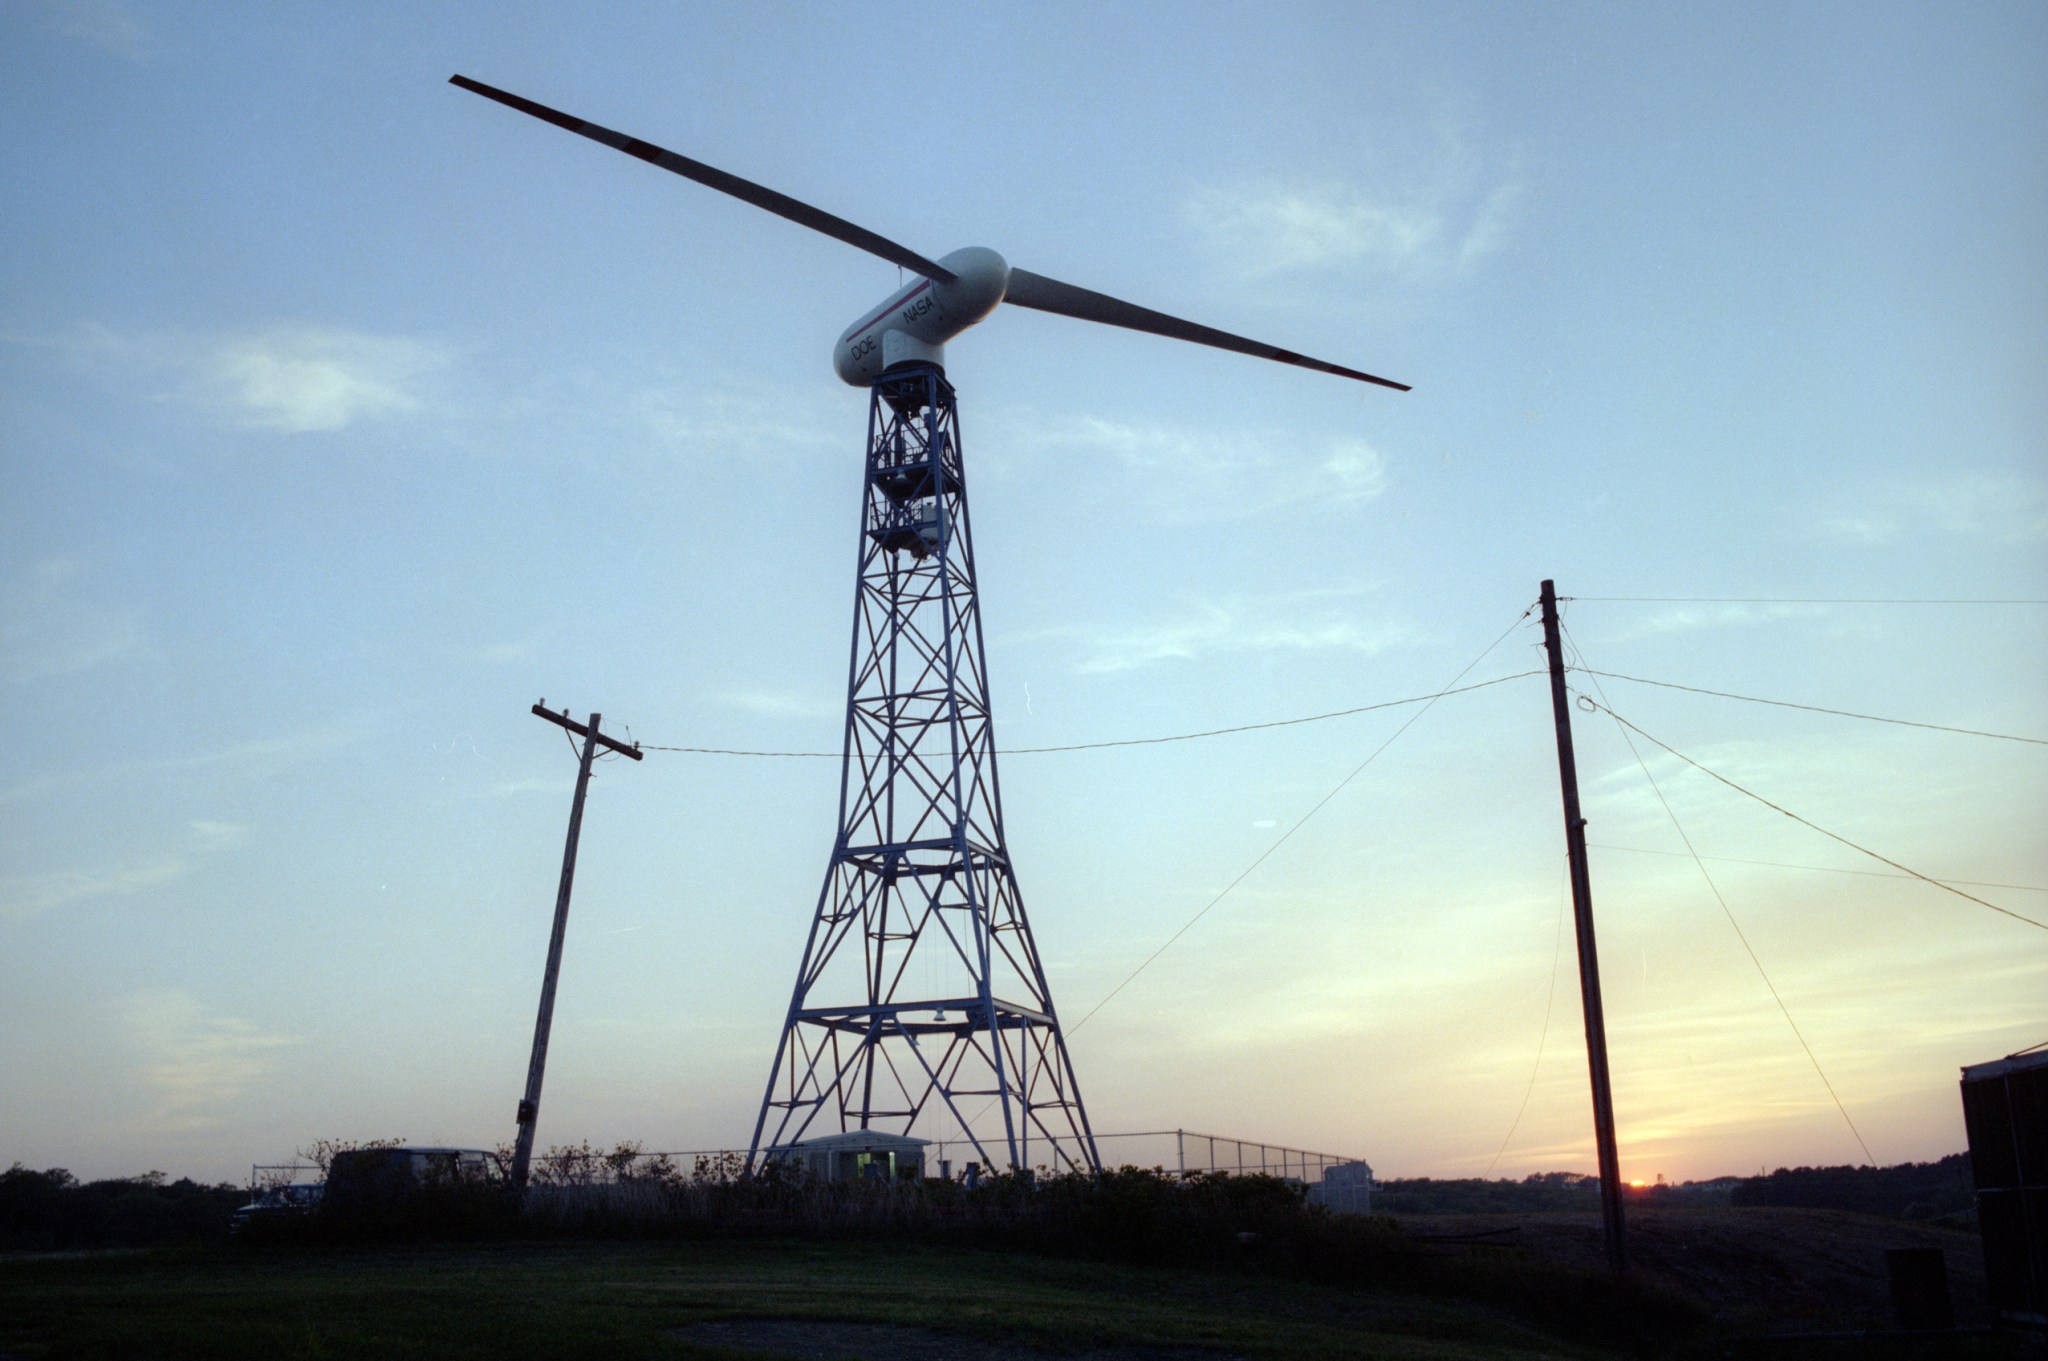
[[344, 415]]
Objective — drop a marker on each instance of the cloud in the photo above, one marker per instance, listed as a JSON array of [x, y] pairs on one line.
[[31, 895], [1856, 787], [506, 789], [219, 835], [1208, 475], [299, 381], [1487, 231], [50, 626], [1699, 618], [289, 379], [1314, 227], [1440, 216], [784, 704], [257, 758], [737, 425], [1747, 761], [1269, 623], [108, 25], [1990, 507], [1858, 527], [193, 1061], [262, 755], [1355, 469]]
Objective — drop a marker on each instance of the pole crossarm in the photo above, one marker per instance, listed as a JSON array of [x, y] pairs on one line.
[[562, 719]]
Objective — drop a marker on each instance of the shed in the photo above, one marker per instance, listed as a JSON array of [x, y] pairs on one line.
[[848, 1156], [1346, 1188], [2005, 1110]]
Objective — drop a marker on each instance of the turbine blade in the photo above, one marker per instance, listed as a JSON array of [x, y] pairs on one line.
[[1050, 295], [782, 205]]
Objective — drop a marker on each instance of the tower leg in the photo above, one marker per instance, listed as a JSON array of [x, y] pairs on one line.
[[921, 1007]]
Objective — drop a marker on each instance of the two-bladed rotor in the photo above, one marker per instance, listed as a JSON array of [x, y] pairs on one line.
[[950, 294]]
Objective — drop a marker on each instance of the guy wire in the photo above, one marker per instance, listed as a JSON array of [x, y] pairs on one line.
[[1832, 836], [1729, 913], [1549, 1005], [1302, 821], [1155, 741], [1814, 708]]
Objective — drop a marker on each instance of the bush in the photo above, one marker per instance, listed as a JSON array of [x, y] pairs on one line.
[[40, 1211], [1210, 1220]]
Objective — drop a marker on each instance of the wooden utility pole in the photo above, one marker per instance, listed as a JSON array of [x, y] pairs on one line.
[[529, 1107], [1589, 954]]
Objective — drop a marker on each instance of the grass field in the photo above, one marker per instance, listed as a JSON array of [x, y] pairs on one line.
[[1752, 1271], [623, 1299]]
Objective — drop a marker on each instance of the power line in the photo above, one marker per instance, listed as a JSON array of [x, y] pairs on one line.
[[1832, 836], [1549, 1005], [1778, 600], [1155, 741], [1740, 935], [1277, 723], [1817, 869], [1814, 708], [1302, 821], [1391, 704], [733, 751]]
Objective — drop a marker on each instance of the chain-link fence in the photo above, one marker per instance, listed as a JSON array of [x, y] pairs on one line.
[[1182, 1151], [1341, 1183], [266, 1176]]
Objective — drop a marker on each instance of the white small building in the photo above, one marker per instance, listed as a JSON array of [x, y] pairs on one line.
[[1346, 1189], [850, 1156]]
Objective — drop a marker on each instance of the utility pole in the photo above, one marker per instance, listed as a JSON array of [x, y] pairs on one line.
[[1589, 955], [529, 1107]]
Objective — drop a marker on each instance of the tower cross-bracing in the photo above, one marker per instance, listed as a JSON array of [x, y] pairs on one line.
[[921, 1005]]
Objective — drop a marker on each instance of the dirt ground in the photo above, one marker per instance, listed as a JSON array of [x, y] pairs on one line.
[[1756, 1270]]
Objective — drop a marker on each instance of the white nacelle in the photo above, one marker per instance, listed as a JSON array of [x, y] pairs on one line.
[[917, 321]]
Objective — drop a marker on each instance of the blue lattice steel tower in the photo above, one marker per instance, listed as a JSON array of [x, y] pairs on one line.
[[921, 997], [921, 1005]]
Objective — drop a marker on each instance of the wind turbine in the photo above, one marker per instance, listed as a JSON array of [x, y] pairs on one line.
[[941, 1012]]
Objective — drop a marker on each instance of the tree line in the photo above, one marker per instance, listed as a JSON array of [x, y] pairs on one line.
[[1905, 1191], [52, 1210]]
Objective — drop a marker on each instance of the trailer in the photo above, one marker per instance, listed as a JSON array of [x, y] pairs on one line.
[[2005, 1111]]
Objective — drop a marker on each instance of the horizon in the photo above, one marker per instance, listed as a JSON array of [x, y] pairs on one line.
[[1377, 1178]]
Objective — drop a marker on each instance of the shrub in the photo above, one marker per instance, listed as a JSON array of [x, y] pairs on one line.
[[1210, 1220], [52, 1209]]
